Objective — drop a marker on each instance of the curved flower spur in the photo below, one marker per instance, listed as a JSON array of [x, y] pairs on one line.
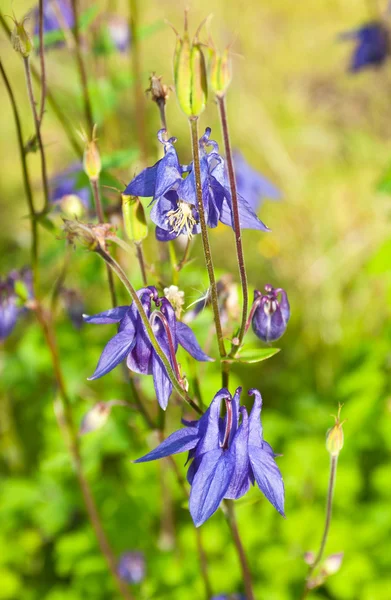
[[227, 456], [132, 341]]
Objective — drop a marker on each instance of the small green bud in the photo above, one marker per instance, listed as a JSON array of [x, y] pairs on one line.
[[334, 436], [134, 218], [21, 39], [220, 71], [91, 160], [190, 74]]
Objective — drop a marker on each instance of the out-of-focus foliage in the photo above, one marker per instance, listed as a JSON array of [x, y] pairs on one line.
[[323, 137]]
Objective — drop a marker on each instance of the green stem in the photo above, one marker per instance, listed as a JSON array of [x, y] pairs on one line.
[[26, 62], [26, 181], [82, 69], [42, 62], [329, 509], [155, 344], [193, 121], [236, 220], [240, 550]]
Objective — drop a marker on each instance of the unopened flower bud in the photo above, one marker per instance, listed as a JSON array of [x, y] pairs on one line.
[[21, 39], [97, 416], [72, 205], [91, 160], [190, 74], [271, 316], [135, 222], [334, 436], [332, 564], [220, 71]]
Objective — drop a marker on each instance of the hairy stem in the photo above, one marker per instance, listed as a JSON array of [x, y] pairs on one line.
[[122, 276], [71, 433], [135, 57], [26, 182], [240, 550], [204, 233], [42, 62], [236, 219], [82, 69], [26, 62], [329, 509]]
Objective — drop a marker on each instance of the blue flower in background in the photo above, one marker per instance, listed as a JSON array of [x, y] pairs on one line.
[[131, 567], [132, 341], [227, 456], [229, 597], [271, 313], [57, 15], [12, 305], [372, 47], [252, 185], [65, 192], [119, 32], [175, 200]]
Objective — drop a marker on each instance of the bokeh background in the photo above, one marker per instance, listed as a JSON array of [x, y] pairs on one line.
[[322, 135]]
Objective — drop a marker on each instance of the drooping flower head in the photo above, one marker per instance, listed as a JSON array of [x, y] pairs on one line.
[[372, 45], [252, 185], [228, 454], [271, 313], [131, 567], [132, 341], [15, 290]]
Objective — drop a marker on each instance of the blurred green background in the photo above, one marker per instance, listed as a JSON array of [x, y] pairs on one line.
[[323, 137]]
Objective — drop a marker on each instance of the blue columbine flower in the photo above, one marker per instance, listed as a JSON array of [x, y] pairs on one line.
[[132, 341], [57, 15], [12, 305], [64, 189], [372, 46], [227, 456], [131, 567], [252, 185], [112, 34], [271, 312], [229, 597], [175, 200]]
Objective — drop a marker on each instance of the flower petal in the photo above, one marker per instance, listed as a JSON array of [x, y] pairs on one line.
[[247, 217], [113, 315], [268, 476], [240, 481], [208, 425], [179, 441], [188, 341], [114, 352], [210, 484], [144, 183], [255, 436], [161, 381]]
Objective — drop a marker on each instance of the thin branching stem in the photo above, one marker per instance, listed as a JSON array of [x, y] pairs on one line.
[[42, 63], [193, 121], [33, 104], [141, 262], [139, 97], [26, 182], [82, 68], [248, 586]]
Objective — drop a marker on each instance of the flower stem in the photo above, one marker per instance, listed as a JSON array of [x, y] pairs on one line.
[[135, 55], [236, 219], [240, 550], [132, 292], [82, 69], [69, 427], [26, 62], [26, 181], [42, 62], [329, 508], [101, 218], [141, 262], [204, 233]]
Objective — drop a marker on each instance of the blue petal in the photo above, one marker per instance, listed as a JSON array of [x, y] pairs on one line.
[[164, 236], [247, 217], [113, 315], [210, 484], [179, 441], [144, 183], [268, 476], [169, 173], [161, 381], [208, 425], [114, 352], [188, 341], [240, 481], [255, 425]]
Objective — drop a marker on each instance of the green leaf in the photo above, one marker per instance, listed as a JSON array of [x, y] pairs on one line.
[[255, 355], [119, 158]]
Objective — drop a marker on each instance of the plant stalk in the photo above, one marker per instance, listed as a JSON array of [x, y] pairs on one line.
[[248, 586], [82, 69], [135, 56], [42, 63]]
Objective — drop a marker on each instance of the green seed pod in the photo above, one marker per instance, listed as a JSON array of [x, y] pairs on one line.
[[91, 160], [335, 437], [190, 75], [134, 218], [21, 39], [220, 71]]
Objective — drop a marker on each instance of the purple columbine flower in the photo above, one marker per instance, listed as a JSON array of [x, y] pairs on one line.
[[270, 313], [64, 188], [252, 185], [132, 341], [372, 47], [175, 200], [227, 456], [229, 597], [131, 567], [11, 304], [57, 14]]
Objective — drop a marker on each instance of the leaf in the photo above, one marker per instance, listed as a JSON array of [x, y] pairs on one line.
[[254, 355], [119, 158]]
